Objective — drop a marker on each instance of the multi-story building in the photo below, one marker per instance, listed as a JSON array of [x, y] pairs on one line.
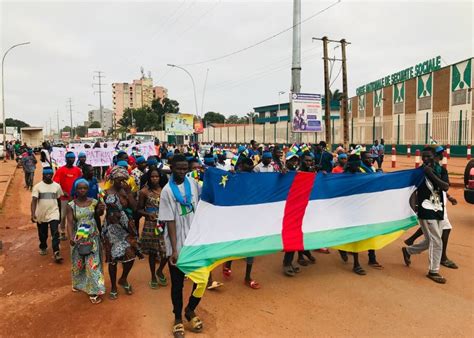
[[140, 93], [107, 118]]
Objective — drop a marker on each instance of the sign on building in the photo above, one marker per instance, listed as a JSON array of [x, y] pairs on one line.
[[179, 124], [94, 132], [306, 113]]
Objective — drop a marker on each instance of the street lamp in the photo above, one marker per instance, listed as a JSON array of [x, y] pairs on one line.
[[194, 85], [3, 96]]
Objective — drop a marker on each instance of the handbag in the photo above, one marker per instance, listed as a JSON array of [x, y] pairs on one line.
[[84, 248]]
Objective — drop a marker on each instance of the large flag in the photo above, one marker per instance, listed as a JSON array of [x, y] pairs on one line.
[[252, 214]]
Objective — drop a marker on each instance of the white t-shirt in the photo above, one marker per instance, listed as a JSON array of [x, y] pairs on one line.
[[261, 168], [172, 210], [47, 208]]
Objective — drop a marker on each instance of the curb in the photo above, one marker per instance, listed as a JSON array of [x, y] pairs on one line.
[[4, 194]]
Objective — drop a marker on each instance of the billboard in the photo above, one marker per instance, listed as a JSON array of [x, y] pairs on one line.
[[65, 135], [94, 132], [198, 127], [306, 113], [179, 124]]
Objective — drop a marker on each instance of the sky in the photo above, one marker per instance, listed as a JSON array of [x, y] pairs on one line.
[[70, 40]]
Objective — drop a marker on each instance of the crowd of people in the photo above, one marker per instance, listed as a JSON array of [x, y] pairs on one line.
[[102, 222]]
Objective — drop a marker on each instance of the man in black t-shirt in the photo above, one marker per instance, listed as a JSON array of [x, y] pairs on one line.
[[430, 209]]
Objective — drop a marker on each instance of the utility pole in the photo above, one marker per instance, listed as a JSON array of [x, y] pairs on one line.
[[345, 96], [296, 55], [296, 59], [71, 136], [327, 93], [99, 76], [57, 121], [327, 100]]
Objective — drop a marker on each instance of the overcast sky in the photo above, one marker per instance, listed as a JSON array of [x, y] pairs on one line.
[[70, 40]]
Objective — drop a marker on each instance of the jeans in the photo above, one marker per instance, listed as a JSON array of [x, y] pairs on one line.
[[43, 234], [177, 281], [432, 229], [288, 258]]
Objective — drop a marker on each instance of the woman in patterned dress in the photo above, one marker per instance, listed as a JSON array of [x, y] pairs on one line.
[[81, 213], [152, 241], [119, 232]]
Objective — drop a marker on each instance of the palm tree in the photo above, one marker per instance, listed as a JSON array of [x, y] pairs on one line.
[[251, 116], [336, 95]]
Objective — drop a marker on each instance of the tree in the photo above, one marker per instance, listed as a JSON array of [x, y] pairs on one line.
[[162, 107], [80, 131], [95, 124], [251, 117], [9, 122], [233, 119], [335, 95], [143, 119], [212, 117]]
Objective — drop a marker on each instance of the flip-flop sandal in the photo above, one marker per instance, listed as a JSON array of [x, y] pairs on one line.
[[376, 265], [215, 285], [162, 281], [252, 284], [449, 264], [358, 270], [437, 278], [113, 295], [226, 272], [43, 252], [303, 262], [288, 271], [295, 268], [95, 299], [74, 289], [153, 285], [195, 321], [128, 289], [312, 260], [178, 330]]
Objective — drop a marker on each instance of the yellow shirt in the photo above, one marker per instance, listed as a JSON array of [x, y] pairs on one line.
[[131, 182]]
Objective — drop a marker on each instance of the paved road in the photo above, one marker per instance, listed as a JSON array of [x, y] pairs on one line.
[[324, 300]]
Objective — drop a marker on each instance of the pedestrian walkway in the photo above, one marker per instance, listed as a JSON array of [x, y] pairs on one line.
[[7, 170]]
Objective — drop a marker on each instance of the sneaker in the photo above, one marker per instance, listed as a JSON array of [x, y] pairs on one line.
[[43, 252], [57, 257]]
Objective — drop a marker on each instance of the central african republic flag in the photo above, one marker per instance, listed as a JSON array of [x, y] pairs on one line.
[[253, 214]]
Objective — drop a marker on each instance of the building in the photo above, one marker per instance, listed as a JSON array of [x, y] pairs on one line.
[[140, 93], [422, 104], [107, 118]]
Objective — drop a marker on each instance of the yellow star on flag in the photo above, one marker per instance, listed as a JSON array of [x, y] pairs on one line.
[[224, 179]]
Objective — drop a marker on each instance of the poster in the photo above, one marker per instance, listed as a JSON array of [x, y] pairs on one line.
[[65, 135], [306, 113], [94, 132], [179, 124], [198, 127]]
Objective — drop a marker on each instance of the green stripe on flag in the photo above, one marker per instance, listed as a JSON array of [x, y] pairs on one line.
[[192, 258]]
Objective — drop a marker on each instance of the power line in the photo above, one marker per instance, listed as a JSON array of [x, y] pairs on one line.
[[264, 40]]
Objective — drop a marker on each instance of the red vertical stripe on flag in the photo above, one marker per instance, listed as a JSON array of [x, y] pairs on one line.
[[295, 208]]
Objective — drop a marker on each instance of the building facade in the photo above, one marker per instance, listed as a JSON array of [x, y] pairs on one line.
[[140, 93], [422, 104], [107, 118]]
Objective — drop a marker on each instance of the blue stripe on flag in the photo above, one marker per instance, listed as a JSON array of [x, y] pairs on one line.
[[339, 185], [260, 188]]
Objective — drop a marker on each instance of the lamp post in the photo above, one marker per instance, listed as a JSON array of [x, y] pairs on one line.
[[3, 97], [194, 85]]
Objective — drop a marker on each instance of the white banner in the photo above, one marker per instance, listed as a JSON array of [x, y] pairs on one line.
[[101, 157]]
